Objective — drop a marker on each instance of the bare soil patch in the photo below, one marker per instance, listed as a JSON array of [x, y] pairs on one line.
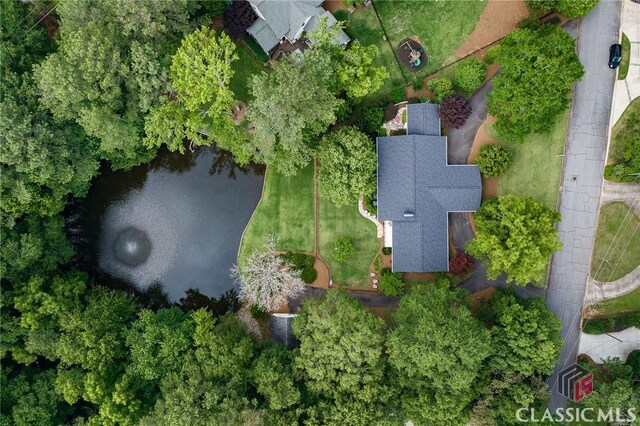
[[498, 19], [333, 5]]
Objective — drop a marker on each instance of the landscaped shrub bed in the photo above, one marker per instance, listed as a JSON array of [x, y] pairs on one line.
[[303, 263], [391, 283], [607, 325]]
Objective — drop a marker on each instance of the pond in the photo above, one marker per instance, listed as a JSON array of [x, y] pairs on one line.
[[175, 223]]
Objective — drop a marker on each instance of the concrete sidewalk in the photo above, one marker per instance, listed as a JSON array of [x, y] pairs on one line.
[[628, 89], [601, 346]]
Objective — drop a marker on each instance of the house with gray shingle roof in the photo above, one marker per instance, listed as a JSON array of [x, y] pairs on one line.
[[285, 21], [417, 189]]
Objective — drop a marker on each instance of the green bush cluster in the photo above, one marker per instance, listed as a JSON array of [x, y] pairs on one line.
[[440, 87], [418, 84], [398, 95], [386, 250], [469, 75], [493, 160], [391, 284], [607, 325], [343, 249], [569, 8], [303, 263], [341, 15], [629, 170], [372, 118]]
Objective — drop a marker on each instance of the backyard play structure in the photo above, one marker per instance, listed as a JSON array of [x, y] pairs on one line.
[[412, 55]]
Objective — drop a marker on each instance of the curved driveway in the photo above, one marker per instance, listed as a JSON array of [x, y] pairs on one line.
[[582, 179]]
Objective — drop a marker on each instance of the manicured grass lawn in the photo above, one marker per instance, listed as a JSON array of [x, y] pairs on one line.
[[629, 303], [616, 252], [627, 126], [347, 222], [363, 26], [441, 26], [286, 209], [537, 165], [626, 56], [246, 66]]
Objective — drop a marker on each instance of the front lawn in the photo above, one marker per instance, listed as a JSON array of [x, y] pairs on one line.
[[363, 25], [615, 253], [537, 165], [627, 126], [347, 222], [627, 304], [626, 56], [440, 26], [285, 209], [246, 66]]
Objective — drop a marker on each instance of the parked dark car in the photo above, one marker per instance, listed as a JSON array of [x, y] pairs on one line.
[[615, 55]]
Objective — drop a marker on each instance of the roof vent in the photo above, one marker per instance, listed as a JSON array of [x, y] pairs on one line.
[[408, 214]]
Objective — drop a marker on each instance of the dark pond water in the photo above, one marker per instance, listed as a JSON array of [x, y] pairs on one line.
[[176, 222]]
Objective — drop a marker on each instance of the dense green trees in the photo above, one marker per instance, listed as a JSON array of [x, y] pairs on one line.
[[629, 170], [437, 352], [569, 8], [356, 73], [347, 166], [111, 67], [440, 87], [469, 75], [537, 70], [515, 235]]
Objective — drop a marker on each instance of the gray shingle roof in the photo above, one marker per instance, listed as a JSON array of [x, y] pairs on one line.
[[286, 18], [417, 189], [280, 325]]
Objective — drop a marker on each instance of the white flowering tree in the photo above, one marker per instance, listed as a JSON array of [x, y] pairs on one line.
[[266, 280]]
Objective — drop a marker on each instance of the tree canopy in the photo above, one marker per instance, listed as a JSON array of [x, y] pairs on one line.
[[537, 70], [347, 166], [516, 236]]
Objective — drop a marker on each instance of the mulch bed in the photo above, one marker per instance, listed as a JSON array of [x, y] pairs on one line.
[[404, 50]]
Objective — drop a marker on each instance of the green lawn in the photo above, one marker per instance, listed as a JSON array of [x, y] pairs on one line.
[[537, 165], [626, 56], [246, 66], [627, 126], [363, 25], [627, 304], [441, 26], [616, 253], [347, 222], [286, 209]]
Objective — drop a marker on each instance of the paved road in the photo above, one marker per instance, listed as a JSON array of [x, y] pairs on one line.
[[582, 179]]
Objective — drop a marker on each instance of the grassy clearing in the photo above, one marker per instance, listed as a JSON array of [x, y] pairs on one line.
[[286, 209], [627, 304], [626, 57], [347, 222], [363, 25], [617, 246], [246, 66], [537, 165], [627, 126], [441, 26]]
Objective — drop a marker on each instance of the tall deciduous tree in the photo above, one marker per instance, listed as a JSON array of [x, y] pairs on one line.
[[347, 166], [528, 335], [516, 236], [437, 351], [266, 280], [537, 70], [200, 73], [292, 105], [356, 73], [340, 358]]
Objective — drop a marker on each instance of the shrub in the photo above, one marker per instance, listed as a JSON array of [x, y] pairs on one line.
[[461, 265], [372, 118], [367, 202], [491, 54], [626, 321], [341, 15], [598, 326], [442, 281], [344, 111], [454, 110], [469, 75], [386, 250], [238, 17], [377, 264], [303, 263], [418, 84], [343, 249], [440, 87], [575, 8], [541, 5], [423, 99], [257, 312], [391, 284], [493, 160], [398, 95]]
